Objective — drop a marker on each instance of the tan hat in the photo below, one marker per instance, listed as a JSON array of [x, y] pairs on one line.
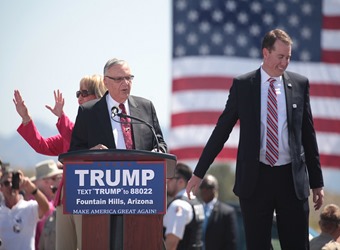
[[45, 169]]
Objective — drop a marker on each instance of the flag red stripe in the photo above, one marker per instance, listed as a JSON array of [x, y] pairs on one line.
[[330, 160], [331, 22], [201, 83], [210, 118], [330, 56], [195, 153], [230, 154], [224, 83], [327, 125], [194, 118], [325, 90]]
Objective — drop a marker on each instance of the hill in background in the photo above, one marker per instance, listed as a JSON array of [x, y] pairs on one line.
[[18, 153]]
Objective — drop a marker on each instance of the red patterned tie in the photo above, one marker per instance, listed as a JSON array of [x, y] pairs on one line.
[[126, 128], [272, 150]]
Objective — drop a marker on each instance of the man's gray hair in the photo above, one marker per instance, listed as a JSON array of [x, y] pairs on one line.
[[112, 62]]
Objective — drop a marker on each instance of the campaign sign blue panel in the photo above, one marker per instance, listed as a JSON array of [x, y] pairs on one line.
[[115, 188]]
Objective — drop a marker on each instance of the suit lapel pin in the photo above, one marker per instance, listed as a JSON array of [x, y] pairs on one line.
[[294, 106], [289, 85]]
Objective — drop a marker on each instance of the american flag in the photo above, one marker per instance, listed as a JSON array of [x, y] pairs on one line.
[[216, 40]]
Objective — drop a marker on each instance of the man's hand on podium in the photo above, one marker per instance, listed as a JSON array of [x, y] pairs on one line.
[[99, 146]]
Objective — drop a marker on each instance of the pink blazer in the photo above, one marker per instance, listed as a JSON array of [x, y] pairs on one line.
[[53, 146]]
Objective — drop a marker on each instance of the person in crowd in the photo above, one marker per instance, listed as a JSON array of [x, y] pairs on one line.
[[18, 217], [329, 224], [278, 160], [220, 224], [1, 170], [97, 127], [47, 178], [332, 245], [183, 221], [90, 87]]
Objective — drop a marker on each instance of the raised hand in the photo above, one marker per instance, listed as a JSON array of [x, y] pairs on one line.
[[59, 104], [21, 107]]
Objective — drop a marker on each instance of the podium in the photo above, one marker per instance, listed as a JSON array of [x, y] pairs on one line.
[[126, 231]]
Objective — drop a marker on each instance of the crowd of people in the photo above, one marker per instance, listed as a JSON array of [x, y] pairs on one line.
[[277, 163]]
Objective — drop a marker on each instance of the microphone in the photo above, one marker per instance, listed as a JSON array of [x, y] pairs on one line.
[[115, 112]]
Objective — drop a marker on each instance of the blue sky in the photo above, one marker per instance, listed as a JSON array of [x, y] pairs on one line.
[[49, 45]]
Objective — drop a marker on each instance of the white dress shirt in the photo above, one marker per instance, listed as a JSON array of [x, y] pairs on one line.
[[115, 121], [284, 150]]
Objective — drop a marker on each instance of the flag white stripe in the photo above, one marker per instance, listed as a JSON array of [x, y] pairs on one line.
[[214, 100], [212, 66], [200, 134], [330, 40], [199, 100], [331, 7], [330, 143], [233, 66], [327, 108]]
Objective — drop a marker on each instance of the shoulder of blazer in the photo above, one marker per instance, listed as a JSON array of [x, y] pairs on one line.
[[135, 100], [288, 75], [252, 78], [224, 206], [100, 102], [89, 105], [247, 76]]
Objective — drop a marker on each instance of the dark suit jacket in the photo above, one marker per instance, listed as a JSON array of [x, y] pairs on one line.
[[93, 125], [244, 105], [221, 231]]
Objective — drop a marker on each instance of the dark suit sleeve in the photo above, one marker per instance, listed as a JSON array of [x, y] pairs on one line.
[[310, 146], [158, 131], [144, 137], [79, 134], [220, 134]]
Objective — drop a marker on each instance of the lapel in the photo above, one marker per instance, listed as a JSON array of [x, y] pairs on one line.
[[103, 121], [255, 82], [133, 106], [288, 87], [214, 213]]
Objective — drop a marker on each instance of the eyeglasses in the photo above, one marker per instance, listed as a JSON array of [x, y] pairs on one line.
[[83, 93], [120, 79]]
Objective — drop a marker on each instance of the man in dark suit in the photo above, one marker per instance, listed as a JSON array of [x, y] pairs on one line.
[[220, 223], [96, 127], [274, 172]]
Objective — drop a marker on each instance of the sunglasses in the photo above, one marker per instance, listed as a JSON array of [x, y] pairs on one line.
[[83, 93]]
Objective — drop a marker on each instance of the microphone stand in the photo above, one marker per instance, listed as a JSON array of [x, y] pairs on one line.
[[142, 121]]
